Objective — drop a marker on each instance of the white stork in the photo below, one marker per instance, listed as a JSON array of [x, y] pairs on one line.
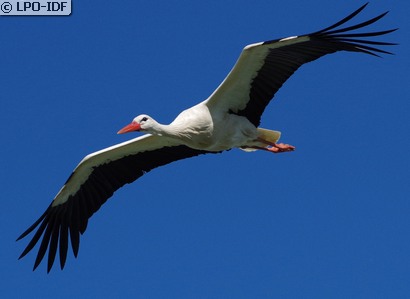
[[229, 118]]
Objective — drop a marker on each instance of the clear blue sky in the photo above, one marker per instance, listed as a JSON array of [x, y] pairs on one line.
[[330, 220]]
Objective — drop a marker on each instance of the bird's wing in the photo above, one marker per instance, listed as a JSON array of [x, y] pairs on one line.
[[92, 182], [262, 68]]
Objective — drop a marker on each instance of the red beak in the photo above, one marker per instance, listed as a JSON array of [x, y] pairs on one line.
[[130, 128]]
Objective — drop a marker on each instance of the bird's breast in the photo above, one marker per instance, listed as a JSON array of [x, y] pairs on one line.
[[204, 130]]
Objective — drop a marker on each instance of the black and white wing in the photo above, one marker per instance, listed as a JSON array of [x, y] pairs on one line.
[[262, 68], [92, 182]]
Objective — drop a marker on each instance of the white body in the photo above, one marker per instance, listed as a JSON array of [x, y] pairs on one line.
[[203, 128]]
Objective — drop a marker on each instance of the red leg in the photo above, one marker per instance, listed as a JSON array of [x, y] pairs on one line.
[[280, 148], [276, 147]]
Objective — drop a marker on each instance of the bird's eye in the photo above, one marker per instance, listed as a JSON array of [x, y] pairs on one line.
[[144, 119]]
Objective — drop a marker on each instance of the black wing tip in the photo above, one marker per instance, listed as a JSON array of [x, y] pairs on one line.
[[341, 34], [327, 30], [23, 254], [35, 224], [392, 30], [47, 229]]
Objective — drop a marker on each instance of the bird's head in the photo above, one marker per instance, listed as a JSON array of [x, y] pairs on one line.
[[142, 122]]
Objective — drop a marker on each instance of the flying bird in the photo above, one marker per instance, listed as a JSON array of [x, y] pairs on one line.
[[228, 118]]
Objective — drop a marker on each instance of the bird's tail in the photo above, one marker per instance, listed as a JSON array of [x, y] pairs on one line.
[[269, 135], [265, 134]]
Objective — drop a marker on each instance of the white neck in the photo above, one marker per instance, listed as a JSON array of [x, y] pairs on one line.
[[163, 130]]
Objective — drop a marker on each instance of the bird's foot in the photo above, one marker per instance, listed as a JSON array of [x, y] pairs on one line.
[[280, 148]]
